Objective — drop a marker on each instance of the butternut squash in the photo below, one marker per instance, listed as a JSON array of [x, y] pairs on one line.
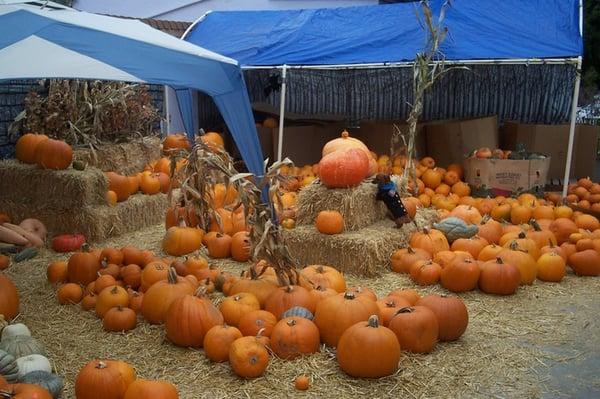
[[12, 237]]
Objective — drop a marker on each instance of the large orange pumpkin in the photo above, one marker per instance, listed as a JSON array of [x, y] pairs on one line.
[[180, 241], [451, 313], [562, 229], [344, 168], [162, 294], [416, 328], [26, 146], [330, 222], [53, 154], [430, 240], [345, 142]]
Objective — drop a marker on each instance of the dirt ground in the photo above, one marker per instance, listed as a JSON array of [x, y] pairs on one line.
[[543, 342]]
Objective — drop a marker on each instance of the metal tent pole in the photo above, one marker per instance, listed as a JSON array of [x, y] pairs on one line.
[[572, 129], [281, 112]]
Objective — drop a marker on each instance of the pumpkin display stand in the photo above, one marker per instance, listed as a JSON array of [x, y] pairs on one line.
[[369, 239], [124, 158], [73, 201]]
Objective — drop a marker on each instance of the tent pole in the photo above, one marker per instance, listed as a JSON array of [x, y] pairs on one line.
[[281, 112], [167, 109], [572, 128]]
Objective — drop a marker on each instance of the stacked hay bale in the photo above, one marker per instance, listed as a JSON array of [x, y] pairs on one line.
[[73, 201], [124, 158], [369, 239]]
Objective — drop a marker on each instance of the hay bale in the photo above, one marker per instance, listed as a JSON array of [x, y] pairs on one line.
[[99, 222], [54, 189], [365, 252], [125, 158], [358, 204]]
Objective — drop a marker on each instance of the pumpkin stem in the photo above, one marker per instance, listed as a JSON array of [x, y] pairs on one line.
[[349, 295], [120, 308], [172, 275], [499, 260], [320, 269], [114, 290], [85, 247], [101, 365], [522, 235], [406, 309], [289, 289], [373, 321], [535, 225], [345, 134], [410, 250], [260, 333], [291, 322]]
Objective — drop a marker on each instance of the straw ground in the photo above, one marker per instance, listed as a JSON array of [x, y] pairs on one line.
[[512, 348]]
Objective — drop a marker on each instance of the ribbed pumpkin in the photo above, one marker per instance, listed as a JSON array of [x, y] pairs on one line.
[[101, 379], [253, 322], [109, 298], [345, 142], [119, 319], [149, 389], [162, 294], [472, 245], [460, 275], [218, 340], [325, 276], [523, 261], [180, 241], [551, 267], [26, 145], [416, 328], [248, 357], [235, 306], [344, 168], [490, 229], [335, 314], [261, 288], [562, 229], [83, 267], [9, 298], [430, 240], [389, 305], [585, 263], [539, 236], [451, 313], [119, 184], [499, 278], [368, 350], [294, 336], [404, 258], [287, 297], [53, 154], [189, 318], [467, 213]]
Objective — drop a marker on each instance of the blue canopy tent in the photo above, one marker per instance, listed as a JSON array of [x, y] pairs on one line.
[[523, 55], [47, 40]]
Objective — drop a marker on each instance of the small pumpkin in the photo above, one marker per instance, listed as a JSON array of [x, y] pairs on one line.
[[102, 379], [551, 267], [253, 322], [404, 258], [294, 336], [235, 306], [141, 389], [69, 293], [161, 295], [425, 272], [180, 241], [389, 305], [562, 229], [240, 246], [220, 246], [585, 263], [522, 260], [261, 288], [368, 350], [460, 275], [499, 278], [301, 383], [416, 328], [218, 340], [287, 297], [329, 222], [57, 272], [451, 313], [83, 267], [326, 276], [119, 319], [430, 240]]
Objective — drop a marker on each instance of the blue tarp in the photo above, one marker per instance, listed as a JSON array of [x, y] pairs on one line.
[[58, 42], [478, 30]]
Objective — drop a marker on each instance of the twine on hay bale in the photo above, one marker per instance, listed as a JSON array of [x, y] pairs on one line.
[[55, 189], [358, 205], [125, 158], [365, 252], [96, 223]]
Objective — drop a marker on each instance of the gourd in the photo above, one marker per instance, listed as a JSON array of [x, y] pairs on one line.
[[298, 311], [9, 369], [22, 345], [51, 382], [25, 254], [31, 363], [455, 228], [15, 329]]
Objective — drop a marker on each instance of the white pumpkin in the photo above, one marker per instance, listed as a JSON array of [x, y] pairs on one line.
[[15, 329], [30, 363]]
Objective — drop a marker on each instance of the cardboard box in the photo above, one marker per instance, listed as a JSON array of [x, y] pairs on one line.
[[449, 141], [505, 176], [553, 140], [378, 135], [303, 144]]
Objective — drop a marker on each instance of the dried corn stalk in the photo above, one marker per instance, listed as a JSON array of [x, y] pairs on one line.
[[206, 167]]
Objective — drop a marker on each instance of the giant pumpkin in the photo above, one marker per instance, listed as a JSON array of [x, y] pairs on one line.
[[344, 168]]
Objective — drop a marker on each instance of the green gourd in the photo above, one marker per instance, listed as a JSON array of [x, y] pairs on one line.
[[455, 228]]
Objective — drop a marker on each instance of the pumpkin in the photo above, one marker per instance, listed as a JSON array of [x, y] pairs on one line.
[[153, 273], [22, 345], [540, 237], [57, 272], [103, 282], [460, 275], [31, 363], [180, 241], [563, 211], [69, 293], [175, 142], [134, 184], [319, 293], [15, 329], [326, 276], [587, 222], [360, 291], [111, 297], [562, 229], [298, 311], [189, 318], [83, 267], [551, 267], [240, 246], [425, 272], [522, 260], [410, 295], [48, 381], [53, 154], [68, 242], [432, 178], [144, 389], [25, 391], [9, 298], [131, 275], [261, 288], [301, 383], [9, 369], [472, 245], [368, 350], [467, 213], [335, 314], [451, 314], [329, 222], [345, 142], [389, 305], [253, 322], [220, 246], [222, 221], [175, 214], [520, 214], [552, 248], [235, 306], [490, 229], [119, 319], [430, 240], [248, 357], [499, 278], [119, 184], [455, 228], [416, 328], [287, 297], [403, 259], [162, 294], [88, 302], [26, 145], [294, 336], [344, 168], [213, 140], [217, 341], [585, 263]]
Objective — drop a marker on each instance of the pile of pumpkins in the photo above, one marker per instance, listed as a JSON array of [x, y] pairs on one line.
[[585, 194], [117, 379], [47, 153], [256, 312], [501, 245]]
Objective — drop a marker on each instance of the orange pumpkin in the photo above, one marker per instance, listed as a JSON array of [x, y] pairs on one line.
[[551, 267], [53, 154], [585, 263], [344, 168], [218, 340], [213, 140], [180, 241], [150, 183], [26, 147], [119, 185], [430, 240], [461, 275], [330, 222]]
